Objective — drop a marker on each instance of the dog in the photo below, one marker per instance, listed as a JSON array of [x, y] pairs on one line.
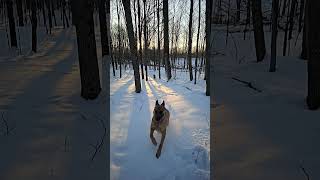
[[160, 122]]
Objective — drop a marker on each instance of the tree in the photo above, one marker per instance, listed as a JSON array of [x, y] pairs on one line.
[[34, 25], [140, 38], [158, 25], [166, 39], [132, 44], [313, 49], [275, 8], [82, 11], [190, 41], [12, 26], [145, 38], [197, 46], [258, 29], [208, 47], [103, 27], [20, 12]]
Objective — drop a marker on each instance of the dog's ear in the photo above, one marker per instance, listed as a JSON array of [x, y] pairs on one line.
[[157, 103], [163, 104]]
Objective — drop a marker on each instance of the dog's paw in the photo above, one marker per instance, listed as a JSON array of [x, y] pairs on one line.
[[154, 141], [158, 154]]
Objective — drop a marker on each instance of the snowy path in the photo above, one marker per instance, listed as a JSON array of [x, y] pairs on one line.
[[267, 135], [186, 148], [52, 126]]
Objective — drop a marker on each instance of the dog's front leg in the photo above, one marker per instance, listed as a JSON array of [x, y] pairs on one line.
[[152, 137], [161, 143]]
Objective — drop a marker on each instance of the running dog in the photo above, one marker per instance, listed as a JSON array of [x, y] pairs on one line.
[[160, 121]]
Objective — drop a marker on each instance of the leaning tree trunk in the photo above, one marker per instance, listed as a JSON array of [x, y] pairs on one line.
[[20, 12], [258, 29], [166, 39], [190, 41], [275, 7], [87, 53], [313, 50], [12, 26], [132, 44], [34, 25]]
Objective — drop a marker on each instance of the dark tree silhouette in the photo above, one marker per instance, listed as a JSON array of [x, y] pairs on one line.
[[166, 39], [12, 26], [82, 11], [258, 29]]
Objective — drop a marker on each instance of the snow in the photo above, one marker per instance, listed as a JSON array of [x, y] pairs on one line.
[[53, 130], [185, 154], [267, 135]]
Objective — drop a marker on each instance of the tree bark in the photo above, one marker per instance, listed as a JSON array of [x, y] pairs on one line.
[[258, 29], [313, 47], [197, 46], [87, 53], [132, 44]]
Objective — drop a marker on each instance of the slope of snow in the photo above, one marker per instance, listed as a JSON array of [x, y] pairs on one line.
[[266, 135], [185, 154]]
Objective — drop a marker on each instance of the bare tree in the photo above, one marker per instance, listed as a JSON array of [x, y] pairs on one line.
[[12, 26], [190, 40], [20, 12], [166, 39], [132, 44], [34, 25], [275, 7], [197, 46], [208, 36]]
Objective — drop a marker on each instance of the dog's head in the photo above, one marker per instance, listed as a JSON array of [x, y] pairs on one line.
[[158, 111]]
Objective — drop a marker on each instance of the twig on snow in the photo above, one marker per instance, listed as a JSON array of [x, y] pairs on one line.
[[249, 84], [98, 146]]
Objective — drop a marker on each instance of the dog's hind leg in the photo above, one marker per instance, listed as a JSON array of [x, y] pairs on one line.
[[161, 143], [152, 137]]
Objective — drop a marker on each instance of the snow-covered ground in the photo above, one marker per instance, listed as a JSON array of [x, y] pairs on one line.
[[185, 154], [266, 135], [52, 132]]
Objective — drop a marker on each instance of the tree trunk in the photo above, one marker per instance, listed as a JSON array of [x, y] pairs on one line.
[[292, 12], [44, 15], [166, 39], [304, 44], [20, 12], [87, 53], [197, 48], [119, 42], [238, 10], [140, 38], [313, 47], [190, 41], [258, 30], [132, 44], [34, 25], [159, 55], [301, 14], [103, 27], [275, 8], [49, 15], [145, 38], [12, 26], [208, 45]]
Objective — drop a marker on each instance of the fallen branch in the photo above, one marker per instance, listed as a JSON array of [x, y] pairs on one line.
[[249, 84], [98, 146], [304, 172]]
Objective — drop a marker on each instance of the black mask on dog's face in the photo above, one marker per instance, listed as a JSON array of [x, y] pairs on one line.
[[159, 111]]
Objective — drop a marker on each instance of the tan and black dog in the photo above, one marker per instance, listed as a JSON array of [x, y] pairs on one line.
[[160, 121]]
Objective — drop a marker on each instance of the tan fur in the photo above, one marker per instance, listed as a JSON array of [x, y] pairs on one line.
[[160, 126]]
